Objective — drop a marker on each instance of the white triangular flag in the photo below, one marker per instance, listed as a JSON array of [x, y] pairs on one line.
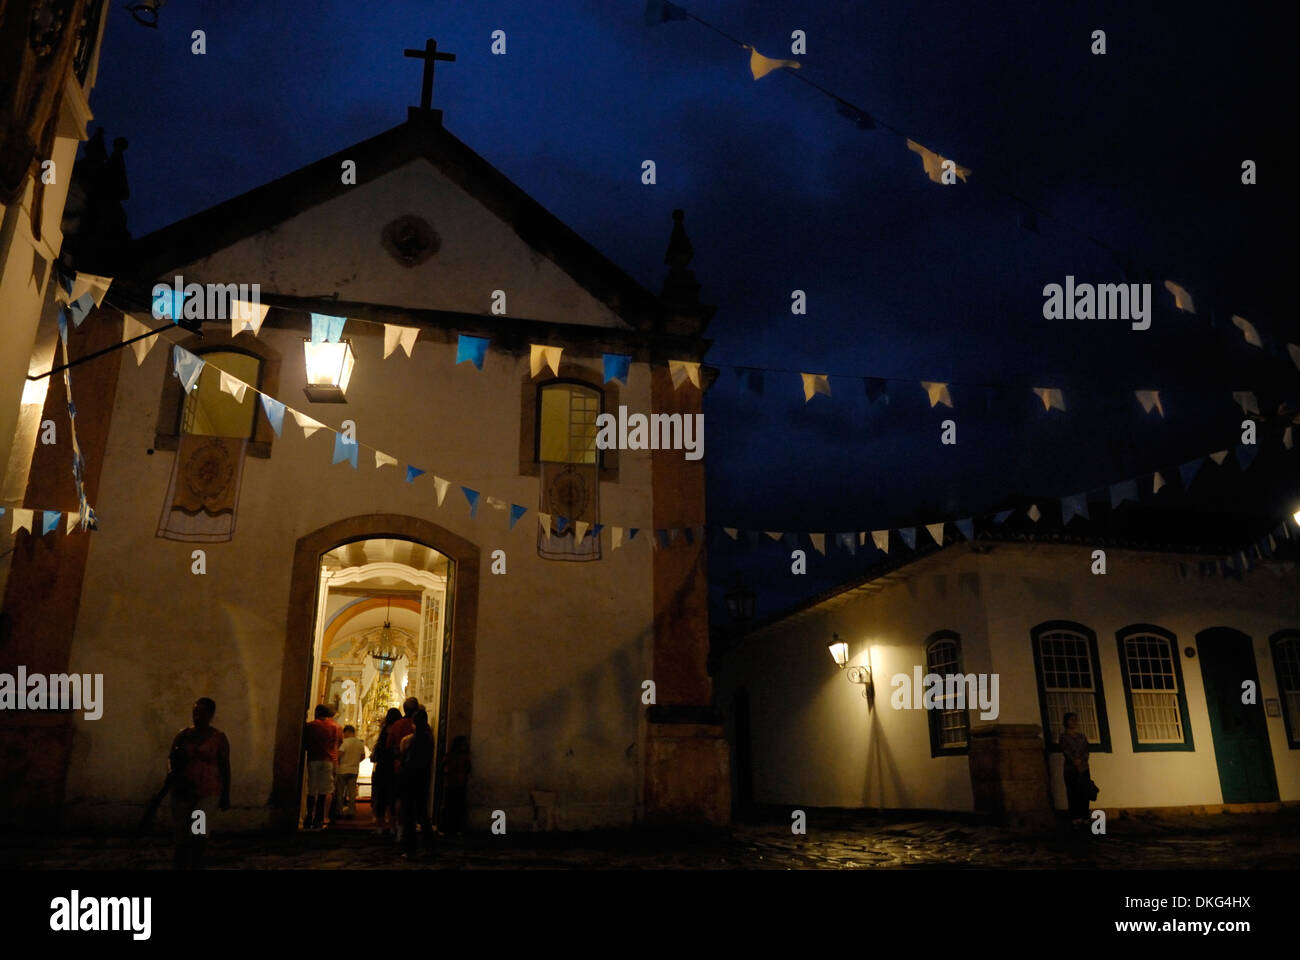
[[774, 534], [818, 542], [683, 370], [1182, 299], [540, 356], [881, 539], [236, 388], [933, 163], [1157, 482], [1034, 513], [74, 519], [1219, 457], [1150, 400], [440, 485], [1294, 350], [382, 459], [1248, 330], [132, 328], [1246, 400], [938, 393], [1051, 397], [760, 66], [936, 531], [309, 426], [580, 528], [22, 520], [245, 315], [615, 537], [544, 522], [1286, 438], [813, 384], [496, 504], [394, 335], [732, 532], [92, 284]]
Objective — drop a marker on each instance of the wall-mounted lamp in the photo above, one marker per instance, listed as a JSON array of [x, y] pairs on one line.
[[329, 368], [840, 654]]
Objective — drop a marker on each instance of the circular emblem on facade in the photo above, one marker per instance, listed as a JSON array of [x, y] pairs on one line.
[[410, 240], [209, 471], [569, 494]]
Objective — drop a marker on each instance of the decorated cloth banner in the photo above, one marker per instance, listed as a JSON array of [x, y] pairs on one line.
[[473, 349], [326, 329], [395, 335], [616, 366]]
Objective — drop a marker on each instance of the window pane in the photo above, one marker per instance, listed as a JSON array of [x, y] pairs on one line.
[[568, 427], [1153, 688], [209, 410], [1067, 683]]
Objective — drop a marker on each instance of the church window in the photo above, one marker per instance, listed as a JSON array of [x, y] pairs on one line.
[[1069, 681], [569, 464], [1153, 687], [1286, 662], [949, 725], [212, 412], [567, 423]]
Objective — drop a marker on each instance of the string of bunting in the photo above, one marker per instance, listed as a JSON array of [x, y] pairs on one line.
[[942, 170]]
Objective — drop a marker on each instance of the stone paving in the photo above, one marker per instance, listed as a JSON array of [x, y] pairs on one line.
[[837, 840]]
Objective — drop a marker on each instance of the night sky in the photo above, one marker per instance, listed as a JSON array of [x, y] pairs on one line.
[[1140, 149]]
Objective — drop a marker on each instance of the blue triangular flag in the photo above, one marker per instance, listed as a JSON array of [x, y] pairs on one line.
[[661, 11], [664, 539], [1187, 471], [473, 349], [274, 412], [596, 528], [616, 366], [967, 527], [63, 326], [632, 532], [1071, 507], [1002, 515], [848, 541], [751, 379], [50, 521], [472, 497], [412, 473], [343, 450], [516, 512], [791, 539], [1124, 490], [325, 328], [187, 367], [876, 387], [1246, 454], [80, 307], [909, 536], [560, 524]]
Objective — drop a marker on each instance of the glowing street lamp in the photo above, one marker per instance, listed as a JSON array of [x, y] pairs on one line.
[[861, 675], [839, 651], [329, 368]]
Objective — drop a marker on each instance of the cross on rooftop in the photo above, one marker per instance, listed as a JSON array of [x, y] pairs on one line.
[[429, 55]]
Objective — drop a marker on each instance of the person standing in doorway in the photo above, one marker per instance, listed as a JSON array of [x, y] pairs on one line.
[[199, 763], [321, 738], [383, 785], [351, 752], [416, 773], [396, 734], [1078, 778]]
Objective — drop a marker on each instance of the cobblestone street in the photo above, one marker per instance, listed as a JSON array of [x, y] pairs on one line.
[[835, 840]]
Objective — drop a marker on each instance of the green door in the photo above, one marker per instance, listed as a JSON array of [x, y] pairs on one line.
[[1240, 731]]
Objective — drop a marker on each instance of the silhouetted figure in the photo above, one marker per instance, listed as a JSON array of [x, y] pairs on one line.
[[455, 769], [1078, 779], [396, 734], [321, 737], [383, 776], [414, 776], [199, 773]]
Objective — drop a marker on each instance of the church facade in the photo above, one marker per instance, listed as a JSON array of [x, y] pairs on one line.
[[240, 559], [1187, 689]]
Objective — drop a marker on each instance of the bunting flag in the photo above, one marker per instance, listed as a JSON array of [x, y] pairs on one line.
[[473, 349], [516, 511], [933, 163], [186, 366], [751, 379], [814, 383], [1246, 453], [876, 387], [774, 534], [936, 532], [472, 497], [1074, 506], [616, 366], [245, 315], [345, 450], [615, 537], [412, 473], [326, 329], [1219, 457], [72, 524], [818, 542], [881, 539], [132, 328], [22, 520], [1150, 400], [309, 426], [732, 532], [967, 527], [495, 503], [236, 388], [1248, 331], [1286, 438], [909, 536], [1001, 516], [1157, 482], [383, 459], [1187, 471], [395, 335], [580, 528], [541, 356], [683, 370], [845, 540], [1246, 400], [80, 307], [760, 66], [169, 304], [1051, 397], [544, 522], [937, 392], [49, 521], [440, 486], [791, 539], [274, 413], [1125, 490], [661, 11], [1182, 299], [1294, 350], [96, 286], [1033, 512]]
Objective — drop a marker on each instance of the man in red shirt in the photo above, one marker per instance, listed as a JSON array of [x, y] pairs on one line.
[[321, 739], [200, 780]]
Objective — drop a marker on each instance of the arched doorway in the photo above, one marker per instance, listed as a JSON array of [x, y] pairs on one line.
[[1241, 746], [298, 675]]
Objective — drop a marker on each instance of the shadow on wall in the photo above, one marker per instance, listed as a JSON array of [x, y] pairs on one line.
[[881, 770]]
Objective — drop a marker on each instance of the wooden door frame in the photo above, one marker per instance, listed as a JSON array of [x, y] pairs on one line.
[[296, 661]]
